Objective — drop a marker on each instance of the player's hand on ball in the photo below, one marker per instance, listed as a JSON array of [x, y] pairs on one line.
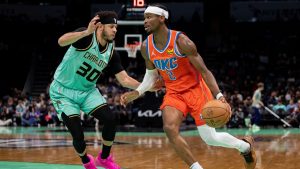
[[222, 99], [129, 97], [216, 113]]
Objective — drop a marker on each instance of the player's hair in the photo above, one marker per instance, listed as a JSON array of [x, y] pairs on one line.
[[167, 21], [104, 14]]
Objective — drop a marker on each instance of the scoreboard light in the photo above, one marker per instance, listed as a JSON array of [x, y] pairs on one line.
[[138, 3], [135, 9]]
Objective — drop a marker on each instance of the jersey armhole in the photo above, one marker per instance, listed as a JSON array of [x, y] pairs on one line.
[[111, 53], [147, 48], [175, 45]]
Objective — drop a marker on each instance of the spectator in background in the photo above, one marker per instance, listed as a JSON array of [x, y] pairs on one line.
[[272, 100], [248, 110], [29, 118], [256, 105], [11, 106], [294, 117], [237, 117], [291, 106], [20, 110], [53, 114], [279, 108], [297, 97], [5, 117]]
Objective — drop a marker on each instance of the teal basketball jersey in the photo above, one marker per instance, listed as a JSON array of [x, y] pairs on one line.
[[80, 68]]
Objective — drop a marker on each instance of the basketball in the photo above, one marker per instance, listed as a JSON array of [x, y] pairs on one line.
[[216, 113]]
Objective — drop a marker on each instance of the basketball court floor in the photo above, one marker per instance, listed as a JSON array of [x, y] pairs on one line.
[[51, 148]]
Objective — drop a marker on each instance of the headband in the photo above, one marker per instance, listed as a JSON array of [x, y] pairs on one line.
[[158, 11], [108, 20]]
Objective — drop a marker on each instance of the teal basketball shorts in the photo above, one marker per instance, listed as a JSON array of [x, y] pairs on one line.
[[71, 101]]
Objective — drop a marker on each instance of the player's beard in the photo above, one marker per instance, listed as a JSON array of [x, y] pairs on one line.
[[149, 31], [106, 37], [153, 28]]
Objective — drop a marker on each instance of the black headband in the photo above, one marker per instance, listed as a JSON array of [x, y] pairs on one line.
[[108, 20]]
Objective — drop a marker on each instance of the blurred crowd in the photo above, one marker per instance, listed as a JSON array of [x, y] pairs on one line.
[[18, 109]]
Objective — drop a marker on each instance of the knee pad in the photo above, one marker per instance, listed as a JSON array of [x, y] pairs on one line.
[[109, 122], [74, 126], [104, 114]]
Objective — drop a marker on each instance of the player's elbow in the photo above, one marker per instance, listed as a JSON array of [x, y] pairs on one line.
[[61, 42]]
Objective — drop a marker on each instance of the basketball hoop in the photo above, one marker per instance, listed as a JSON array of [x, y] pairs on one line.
[[132, 49]]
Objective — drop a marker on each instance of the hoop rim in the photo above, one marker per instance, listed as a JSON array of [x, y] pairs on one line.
[[132, 49]]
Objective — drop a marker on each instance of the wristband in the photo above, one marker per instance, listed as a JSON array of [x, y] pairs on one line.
[[219, 95]]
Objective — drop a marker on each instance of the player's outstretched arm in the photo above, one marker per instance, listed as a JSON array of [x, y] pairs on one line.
[[71, 37], [126, 81], [148, 82], [187, 47]]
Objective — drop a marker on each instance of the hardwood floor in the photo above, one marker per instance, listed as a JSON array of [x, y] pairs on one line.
[[142, 151]]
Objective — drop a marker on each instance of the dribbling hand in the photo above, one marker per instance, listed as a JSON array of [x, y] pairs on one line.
[[223, 100], [128, 97]]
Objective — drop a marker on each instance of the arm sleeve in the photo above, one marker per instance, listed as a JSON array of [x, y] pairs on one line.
[[148, 81], [83, 43]]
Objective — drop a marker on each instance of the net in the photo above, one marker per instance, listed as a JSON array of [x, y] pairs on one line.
[[132, 49]]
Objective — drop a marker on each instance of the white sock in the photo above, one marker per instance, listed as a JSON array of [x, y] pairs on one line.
[[196, 165], [213, 138]]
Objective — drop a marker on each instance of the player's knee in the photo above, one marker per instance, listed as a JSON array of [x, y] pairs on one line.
[[106, 115], [109, 120], [171, 130], [210, 142], [210, 139]]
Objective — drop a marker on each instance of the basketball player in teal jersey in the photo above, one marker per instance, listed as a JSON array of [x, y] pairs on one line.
[[74, 86]]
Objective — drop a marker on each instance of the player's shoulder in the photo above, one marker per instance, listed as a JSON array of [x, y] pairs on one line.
[[185, 44], [182, 37]]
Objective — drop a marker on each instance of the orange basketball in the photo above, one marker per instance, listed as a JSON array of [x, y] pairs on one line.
[[216, 113]]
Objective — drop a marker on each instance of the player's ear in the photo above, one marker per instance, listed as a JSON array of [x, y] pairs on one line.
[[101, 27], [162, 18]]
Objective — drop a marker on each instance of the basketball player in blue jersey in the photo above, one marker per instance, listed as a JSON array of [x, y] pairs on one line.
[[74, 86]]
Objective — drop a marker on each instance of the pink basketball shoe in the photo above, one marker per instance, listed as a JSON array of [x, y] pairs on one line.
[[91, 164], [107, 163]]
